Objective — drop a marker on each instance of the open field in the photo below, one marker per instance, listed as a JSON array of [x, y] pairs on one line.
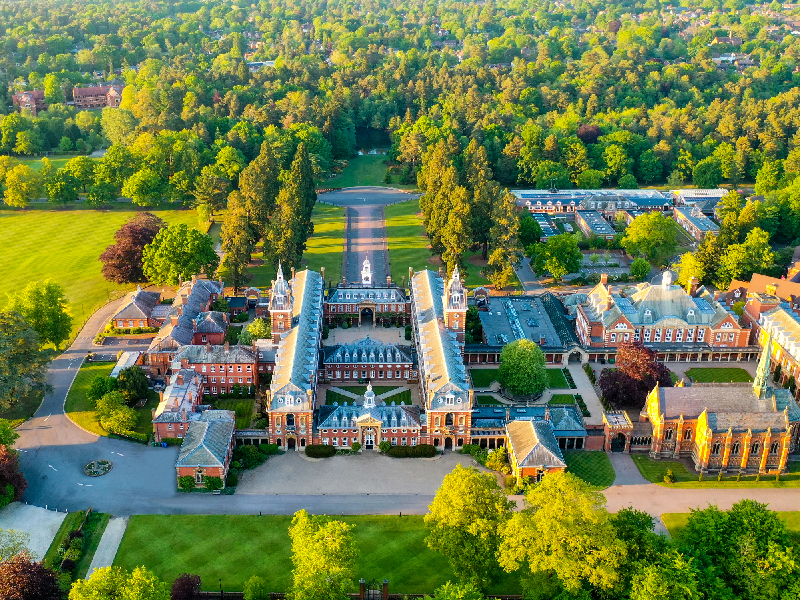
[[57, 161], [369, 169], [64, 245], [556, 379], [408, 243], [654, 471], [594, 467], [389, 547], [676, 522], [719, 375]]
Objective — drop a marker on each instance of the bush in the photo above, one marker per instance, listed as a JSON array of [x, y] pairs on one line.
[[320, 451], [256, 588], [73, 554], [214, 483], [172, 441], [590, 373], [421, 451], [511, 482], [408, 332], [186, 483], [669, 476], [67, 565], [76, 543], [75, 533], [240, 318], [497, 459], [249, 456], [261, 424], [185, 587], [269, 449], [232, 480], [135, 435], [355, 447], [384, 446]]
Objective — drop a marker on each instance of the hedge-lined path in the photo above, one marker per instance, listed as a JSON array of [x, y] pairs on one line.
[[109, 544]]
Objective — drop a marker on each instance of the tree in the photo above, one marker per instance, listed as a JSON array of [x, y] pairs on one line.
[[62, 187], [185, 587], [456, 235], [22, 578], [457, 591], [257, 588], [100, 386], [559, 256], [12, 481], [115, 582], [44, 306], [211, 189], [12, 543], [122, 260], [529, 231], [260, 329], [551, 174], [133, 384], [259, 185], [484, 192], [506, 252], [590, 179], [323, 555], [118, 125], [101, 193], [53, 94], [20, 186], [238, 242], [740, 261], [640, 268], [628, 182], [230, 161], [522, 369], [23, 366], [145, 187], [707, 173], [186, 483], [116, 166], [617, 161], [651, 235], [671, 577], [636, 374], [178, 252], [769, 176], [28, 142], [82, 168], [565, 531], [464, 523]]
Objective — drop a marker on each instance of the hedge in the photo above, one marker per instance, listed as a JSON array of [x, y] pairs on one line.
[[320, 451], [590, 373], [421, 451], [171, 441]]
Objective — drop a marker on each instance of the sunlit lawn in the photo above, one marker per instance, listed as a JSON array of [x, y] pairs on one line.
[[594, 467], [719, 375], [369, 169], [408, 243]]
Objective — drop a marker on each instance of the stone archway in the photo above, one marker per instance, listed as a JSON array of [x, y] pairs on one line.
[[366, 317], [291, 444], [618, 443], [448, 443]]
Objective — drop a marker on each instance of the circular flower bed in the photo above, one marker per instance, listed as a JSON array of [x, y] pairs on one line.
[[96, 468]]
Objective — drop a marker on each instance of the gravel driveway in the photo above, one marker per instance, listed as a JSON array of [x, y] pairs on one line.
[[42, 525]]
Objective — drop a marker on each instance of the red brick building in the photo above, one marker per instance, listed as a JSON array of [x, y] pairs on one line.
[[137, 311], [368, 359], [32, 100], [207, 447], [99, 96], [222, 367], [178, 404]]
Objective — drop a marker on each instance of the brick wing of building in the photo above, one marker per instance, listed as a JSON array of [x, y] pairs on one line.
[[98, 96], [680, 324], [32, 100], [369, 359], [208, 447], [137, 310], [351, 302]]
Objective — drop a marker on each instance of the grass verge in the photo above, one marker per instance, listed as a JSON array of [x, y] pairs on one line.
[[594, 467], [719, 375], [389, 547], [92, 533], [325, 248], [654, 471], [242, 408], [488, 401], [78, 407], [70, 522], [676, 522], [406, 239], [562, 399]]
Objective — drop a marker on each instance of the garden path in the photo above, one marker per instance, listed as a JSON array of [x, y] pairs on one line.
[[109, 544]]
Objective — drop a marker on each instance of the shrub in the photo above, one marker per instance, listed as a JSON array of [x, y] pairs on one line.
[[214, 483], [135, 435], [320, 451], [355, 447], [497, 460], [76, 543], [185, 587], [172, 441], [240, 318], [73, 554], [233, 479], [67, 565], [421, 451], [256, 588], [261, 424], [248, 456], [384, 446], [186, 483], [669, 476], [590, 373], [268, 449], [511, 482], [75, 533]]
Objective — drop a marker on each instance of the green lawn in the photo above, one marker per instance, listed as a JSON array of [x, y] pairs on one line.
[[654, 471], [407, 241], [488, 401], [326, 247], [235, 547], [483, 378], [562, 399], [64, 245], [594, 467], [719, 375], [369, 169], [57, 161], [556, 379], [676, 522], [360, 389], [243, 409], [70, 522], [78, 407], [145, 423]]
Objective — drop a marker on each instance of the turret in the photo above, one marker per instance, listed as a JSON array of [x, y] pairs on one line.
[[280, 306], [454, 302]]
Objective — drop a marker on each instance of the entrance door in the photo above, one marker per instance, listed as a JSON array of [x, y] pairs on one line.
[[369, 441], [618, 443], [290, 443], [448, 444], [367, 317]]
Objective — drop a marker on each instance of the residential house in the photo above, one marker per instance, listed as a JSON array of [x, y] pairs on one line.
[[31, 100], [222, 367], [97, 96], [207, 447], [137, 310]]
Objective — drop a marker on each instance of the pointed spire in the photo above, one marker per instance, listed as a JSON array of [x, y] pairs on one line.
[[761, 381], [280, 271], [456, 274]]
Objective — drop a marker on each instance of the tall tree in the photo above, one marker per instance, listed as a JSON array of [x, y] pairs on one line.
[[20, 186], [23, 366], [484, 191], [211, 189], [456, 235], [301, 175], [323, 555], [559, 256], [464, 522], [82, 168], [62, 187], [178, 252], [12, 481], [115, 582], [259, 185], [505, 249], [740, 261], [522, 369], [636, 374], [22, 578], [44, 307], [122, 260], [651, 235], [238, 242]]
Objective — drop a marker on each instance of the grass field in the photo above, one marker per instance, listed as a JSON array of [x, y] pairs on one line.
[[57, 161], [369, 169], [64, 245], [594, 467], [562, 399], [483, 378], [360, 389], [719, 375], [78, 407], [326, 246], [408, 243], [242, 408], [676, 522], [654, 471], [389, 547], [488, 401], [556, 379]]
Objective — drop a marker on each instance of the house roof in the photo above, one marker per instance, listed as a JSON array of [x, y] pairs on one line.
[[694, 216], [192, 298], [390, 415], [182, 394], [356, 294], [368, 351], [533, 444], [126, 359], [219, 354], [207, 440], [211, 322], [785, 289], [138, 305], [784, 326], [80, 92]]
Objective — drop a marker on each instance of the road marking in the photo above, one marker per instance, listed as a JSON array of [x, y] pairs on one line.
[[52, 467], [48, 416], [80, 484], [117, 453]]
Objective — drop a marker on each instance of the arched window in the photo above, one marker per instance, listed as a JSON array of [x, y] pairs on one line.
[[755, 449], [668, 434], [687, 435], [775, 448], [715, 448], [735, 449]]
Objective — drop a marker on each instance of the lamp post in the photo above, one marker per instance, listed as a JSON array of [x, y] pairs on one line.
[[221, 593]]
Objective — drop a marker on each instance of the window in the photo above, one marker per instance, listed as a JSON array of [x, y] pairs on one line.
[[335, 441], [240, 380], [658, 335], [238, 368], [646, 335], [347, 374], [679, 335], [203, 369], [394, 441], [613, 337], [701, 333], [169, 426], [213, 390], [687, 435], [755, 449], [730, 337], [627, 336], [715, 448], [213, 380], [719, 335], [668, 335], [668, 434], [727, 325], [213, 368], [403, 442], [205, 339], [690, 335], [775, 448], [636, 335], [249, 368], [735, 449]]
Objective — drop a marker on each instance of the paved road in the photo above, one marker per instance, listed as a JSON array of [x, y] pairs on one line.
[[530, 283]]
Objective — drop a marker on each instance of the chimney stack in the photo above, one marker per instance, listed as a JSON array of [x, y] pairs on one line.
[[194, 278], [292, 272], [389, 280], [693, 283], [322, 274], [180, 378], [184, 416], [441, 272], [227, 346], [604, 278], [716, 296], [542, 340]]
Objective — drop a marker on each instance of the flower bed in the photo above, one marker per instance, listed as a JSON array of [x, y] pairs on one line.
[[98, 468]]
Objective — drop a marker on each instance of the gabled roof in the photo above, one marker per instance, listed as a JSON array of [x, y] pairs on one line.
[[367, 351], [182, 394], [207, 440], [191, 299], [207, 353], [138, 305], [533, 444], [355, 294], [211, 322], [388, 414]]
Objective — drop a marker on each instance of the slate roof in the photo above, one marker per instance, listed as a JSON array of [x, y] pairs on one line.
[[191, 299], [664, 302], [347, 416], [368, 351], [595, 222], [696, 218], [441, 364], [138, 305], [297, 357], [207, 353], [207, 440], [533, 444], [566, 420], [211, 322], [353, 294], [182, 394], [265, 350]]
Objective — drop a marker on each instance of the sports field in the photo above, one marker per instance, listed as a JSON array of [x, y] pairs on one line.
[[64, 245]]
